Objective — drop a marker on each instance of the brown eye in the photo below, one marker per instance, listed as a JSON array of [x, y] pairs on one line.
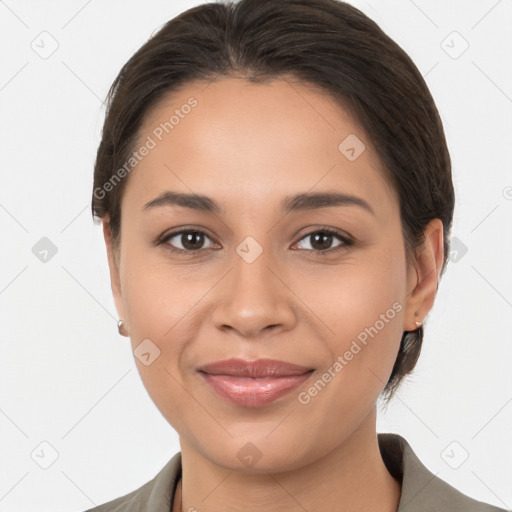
[[187, 241], [323, 239]]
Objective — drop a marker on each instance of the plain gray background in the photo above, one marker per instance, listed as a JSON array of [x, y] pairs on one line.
[[69, 380]]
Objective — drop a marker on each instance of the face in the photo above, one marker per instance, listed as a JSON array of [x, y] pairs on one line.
[[320, 284]]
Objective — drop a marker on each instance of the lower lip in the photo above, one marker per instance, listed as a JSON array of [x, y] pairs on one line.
[[254, 392]]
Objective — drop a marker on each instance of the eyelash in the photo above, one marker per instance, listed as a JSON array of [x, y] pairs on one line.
[[346, 242]]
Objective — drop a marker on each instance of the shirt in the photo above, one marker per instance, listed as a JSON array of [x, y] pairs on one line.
[[422, 491]]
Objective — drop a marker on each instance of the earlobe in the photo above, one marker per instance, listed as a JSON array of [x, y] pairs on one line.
[[425, 276]]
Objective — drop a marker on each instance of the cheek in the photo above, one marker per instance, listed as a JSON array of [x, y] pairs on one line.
[[157, 296], [159, 304], [162, 304], [364, 310], [368, 290]]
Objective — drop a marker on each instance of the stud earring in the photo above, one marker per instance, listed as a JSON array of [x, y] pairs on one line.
[[419, 323], [121, 328]]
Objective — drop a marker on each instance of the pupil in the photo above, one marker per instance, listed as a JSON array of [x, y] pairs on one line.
[[325, 241], [192, 240]]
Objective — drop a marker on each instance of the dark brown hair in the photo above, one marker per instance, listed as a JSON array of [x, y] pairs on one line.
[[326, 43]]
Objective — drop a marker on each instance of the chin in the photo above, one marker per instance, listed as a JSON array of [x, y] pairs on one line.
[[257, 453]]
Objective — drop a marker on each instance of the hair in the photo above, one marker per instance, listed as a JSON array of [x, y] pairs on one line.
[[325, 43]]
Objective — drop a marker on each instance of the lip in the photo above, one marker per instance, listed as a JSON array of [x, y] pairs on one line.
[[253, 383], [237, 367]]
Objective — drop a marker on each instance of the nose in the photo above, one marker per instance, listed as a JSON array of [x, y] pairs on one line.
[[254, 298]]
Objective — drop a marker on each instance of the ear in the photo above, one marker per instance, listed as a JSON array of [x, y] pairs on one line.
[[113, 263], [423, 276]]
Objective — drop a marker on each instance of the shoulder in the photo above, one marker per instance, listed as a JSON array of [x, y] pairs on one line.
[[422, 491], [449, 498], [155, 495], [127, 503]]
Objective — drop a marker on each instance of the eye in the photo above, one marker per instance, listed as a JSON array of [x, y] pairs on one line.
[[322, 239], [187, 240], [192, 241]]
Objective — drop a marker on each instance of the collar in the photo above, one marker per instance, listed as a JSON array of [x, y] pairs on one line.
[[422, 491]]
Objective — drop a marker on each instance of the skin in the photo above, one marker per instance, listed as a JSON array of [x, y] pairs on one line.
[[247, 146]]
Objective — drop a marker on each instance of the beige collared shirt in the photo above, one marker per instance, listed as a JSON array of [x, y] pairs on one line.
[[422, 491]]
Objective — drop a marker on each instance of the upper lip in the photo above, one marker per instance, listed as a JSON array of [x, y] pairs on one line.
[[259, 368]]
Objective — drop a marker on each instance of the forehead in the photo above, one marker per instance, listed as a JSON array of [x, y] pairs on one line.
[[248, 142]]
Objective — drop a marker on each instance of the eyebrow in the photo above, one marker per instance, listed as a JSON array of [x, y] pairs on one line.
[[299, 202]]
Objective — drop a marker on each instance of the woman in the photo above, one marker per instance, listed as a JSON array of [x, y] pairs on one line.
[[276, 197]]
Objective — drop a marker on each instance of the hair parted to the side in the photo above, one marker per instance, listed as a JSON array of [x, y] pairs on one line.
[[326, 43]]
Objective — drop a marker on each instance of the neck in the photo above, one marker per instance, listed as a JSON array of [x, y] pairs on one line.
[[352, 477]]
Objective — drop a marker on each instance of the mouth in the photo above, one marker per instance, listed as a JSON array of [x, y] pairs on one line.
[[253, 383]]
